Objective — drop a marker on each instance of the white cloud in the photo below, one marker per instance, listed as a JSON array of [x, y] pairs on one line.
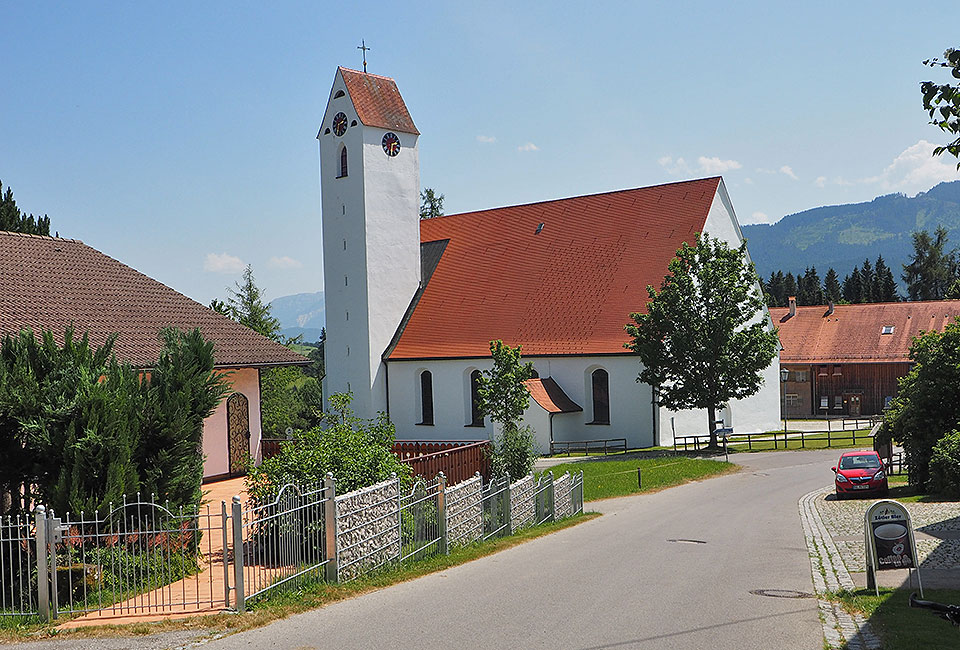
[[786, 170], [676, 167], [748, 181], [486, 139], [528, 147], [915, 170], [715, 165], [761, 170], [821, 181], [223, 263], [285, 262]]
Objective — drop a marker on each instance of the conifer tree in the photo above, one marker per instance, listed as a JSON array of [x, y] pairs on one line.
[[853, 287], [831, 286], [12, 220], [867, 282], [789, 287], [245, 305], [932, 270], [885, 287]]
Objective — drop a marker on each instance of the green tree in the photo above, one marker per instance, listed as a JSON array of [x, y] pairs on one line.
[[853, 287], [942, 102], [700, 342], [884, 286], [12, 220], [245, 305], [789, 288], [809, 289], [931, 270], [831, 286], [867, 280], [926, 407], [431, 204], [774, 290]]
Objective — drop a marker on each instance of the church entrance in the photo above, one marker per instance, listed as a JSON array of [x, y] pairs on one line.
[[238, 432]]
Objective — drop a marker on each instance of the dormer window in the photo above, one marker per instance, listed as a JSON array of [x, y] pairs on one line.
[[343, 162], [886, 329], [338, 94]]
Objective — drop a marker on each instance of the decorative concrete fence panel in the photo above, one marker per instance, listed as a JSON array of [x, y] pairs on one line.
[[368, 528], [563, 504], [522, 503], [464, 505]]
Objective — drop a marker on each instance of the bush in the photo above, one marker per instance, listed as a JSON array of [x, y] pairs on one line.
[[945, 466], [514, 451], [356, 451]]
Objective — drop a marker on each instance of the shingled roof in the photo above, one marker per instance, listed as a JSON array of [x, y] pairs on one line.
[[854, 333], [551, 398], [559, 277], [378, 101], [50, 283]]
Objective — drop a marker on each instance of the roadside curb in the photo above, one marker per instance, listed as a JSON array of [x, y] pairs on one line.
[[830, 574]]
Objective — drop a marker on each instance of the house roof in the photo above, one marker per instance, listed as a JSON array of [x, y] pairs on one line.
[[377, 101], [50, 283], [548, 394], [567, 289], [853, 333]]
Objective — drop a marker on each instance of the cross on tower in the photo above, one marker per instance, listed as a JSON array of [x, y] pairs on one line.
[[363, 46]]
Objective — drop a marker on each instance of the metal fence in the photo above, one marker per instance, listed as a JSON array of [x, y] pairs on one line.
[[144, 558]]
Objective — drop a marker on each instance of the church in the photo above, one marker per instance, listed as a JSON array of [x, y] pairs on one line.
[[412, 305]]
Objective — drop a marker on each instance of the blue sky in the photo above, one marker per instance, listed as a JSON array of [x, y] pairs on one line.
[[179, 137]]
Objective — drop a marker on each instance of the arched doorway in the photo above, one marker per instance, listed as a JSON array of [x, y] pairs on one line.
[[238, 432]]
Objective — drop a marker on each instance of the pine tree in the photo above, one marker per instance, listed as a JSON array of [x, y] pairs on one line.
[[884, 286], [789, 288], [867, 280], [853, 287], [431, 204], [12, 220], [931, 270], [809, 289], [831, 286], [245, 305]]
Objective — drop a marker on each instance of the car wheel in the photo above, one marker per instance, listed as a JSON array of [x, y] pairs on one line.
[[839, 496]]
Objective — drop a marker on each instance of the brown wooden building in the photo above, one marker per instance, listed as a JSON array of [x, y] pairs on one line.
[[845, 360]]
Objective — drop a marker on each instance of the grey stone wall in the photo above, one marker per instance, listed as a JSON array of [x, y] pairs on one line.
[[464, 504], [522, 505], [368, 528], [562, 504]]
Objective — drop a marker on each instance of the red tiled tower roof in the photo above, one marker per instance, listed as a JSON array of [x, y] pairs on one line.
[[566, 288], [50, 283], [378, 101], [854, 333]]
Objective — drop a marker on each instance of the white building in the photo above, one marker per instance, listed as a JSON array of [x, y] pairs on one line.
[[411, 306]]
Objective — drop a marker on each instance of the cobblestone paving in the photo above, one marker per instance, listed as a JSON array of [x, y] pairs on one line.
[[845, 519]]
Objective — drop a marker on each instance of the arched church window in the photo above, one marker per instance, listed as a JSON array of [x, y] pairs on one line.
[[476, 415], [339, 94], [600, 381], [426, 397], [343, 162]]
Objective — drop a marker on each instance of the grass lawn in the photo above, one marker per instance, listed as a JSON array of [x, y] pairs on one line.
[[616, 478], [901, 626], [837, 440], [901, 491]]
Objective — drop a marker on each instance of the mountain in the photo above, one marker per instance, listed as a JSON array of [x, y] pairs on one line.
[[842, 236], [301, 313]]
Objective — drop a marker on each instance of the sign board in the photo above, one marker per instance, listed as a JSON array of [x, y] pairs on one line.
[[889, 540]]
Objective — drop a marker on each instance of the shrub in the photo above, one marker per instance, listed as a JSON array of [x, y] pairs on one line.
[[945, 465], [514, 451]]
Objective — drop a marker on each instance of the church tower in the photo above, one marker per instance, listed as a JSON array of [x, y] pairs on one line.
[[370, 187]]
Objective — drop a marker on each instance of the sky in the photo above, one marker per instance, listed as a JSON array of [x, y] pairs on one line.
[[179, 137]]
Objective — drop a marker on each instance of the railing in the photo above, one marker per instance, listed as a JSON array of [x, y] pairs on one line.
[[607, 446], [457, 461], [18, 560], [777, 440]]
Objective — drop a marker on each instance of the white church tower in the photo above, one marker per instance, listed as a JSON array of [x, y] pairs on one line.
[[370, 186]]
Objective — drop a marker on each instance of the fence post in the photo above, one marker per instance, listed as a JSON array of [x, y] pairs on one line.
[[239, 597], [331, 571], [224, 516], [506, 507], [551, 495], [442, 512], [43, 564]]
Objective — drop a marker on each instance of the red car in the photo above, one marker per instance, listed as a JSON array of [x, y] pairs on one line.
[[860, 472]]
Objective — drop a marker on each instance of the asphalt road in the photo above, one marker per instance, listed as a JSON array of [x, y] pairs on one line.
[[614, 582]]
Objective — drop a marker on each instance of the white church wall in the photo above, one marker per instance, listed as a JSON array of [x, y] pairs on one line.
[[216, 460], [539, 420]]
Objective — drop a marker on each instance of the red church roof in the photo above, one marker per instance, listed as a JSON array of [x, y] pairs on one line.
[[51, 283], [565, 288], [378, 101], [854, 333]]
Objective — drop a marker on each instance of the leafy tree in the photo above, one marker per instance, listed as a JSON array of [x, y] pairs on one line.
[[942, 102], [700, 343], [931, 270], [504, 397], [926, 408], [356, 451], [245, 305], [316, 355], [831, 286], [945, 466], [431, 204], [12, 220], [884, 286]]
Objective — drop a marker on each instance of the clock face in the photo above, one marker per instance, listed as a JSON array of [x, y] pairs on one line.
[[339, 124], [391, 144]]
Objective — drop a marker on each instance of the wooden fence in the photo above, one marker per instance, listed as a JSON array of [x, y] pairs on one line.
[[778, 440], [457, 460], [586, 447]]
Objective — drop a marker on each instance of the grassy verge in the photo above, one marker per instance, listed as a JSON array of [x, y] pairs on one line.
[[836, 440], [284, 604], [901, 626], [903, 491], [616, 478]]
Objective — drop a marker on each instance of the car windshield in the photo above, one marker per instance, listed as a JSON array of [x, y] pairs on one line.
[[859, 462]]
